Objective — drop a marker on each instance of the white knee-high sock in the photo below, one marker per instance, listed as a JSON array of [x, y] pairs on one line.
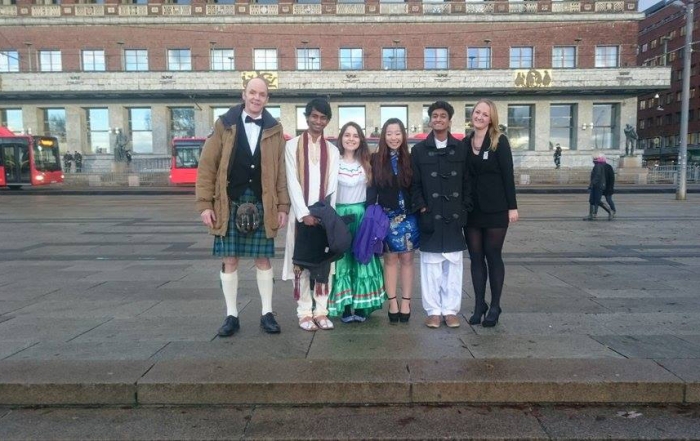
[[229, 284], [264, 278]]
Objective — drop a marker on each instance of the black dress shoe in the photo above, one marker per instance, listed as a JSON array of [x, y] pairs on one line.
[[229, 327], [269, 324]]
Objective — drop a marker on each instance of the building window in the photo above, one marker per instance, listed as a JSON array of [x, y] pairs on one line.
[[607, 56], [425, 120], [9, 61], [216, 112], [348, 114], [12, 119], [309, 59], [606, 119], [98, 130], [435, 58], [521, 58], [140, 131], [520, 127], [94, 61], [642, 124], [645, 47], [351, 59], [181, 122], [265, 59], [562, 126], [222, 59], [479, 58], [400, 112], [653, 43], [394, 58], [55, 123], [642, 105], [301, 120], [179, 59], [468, 109], [275, 111], [136, 60], [50, 61], [564, 57]]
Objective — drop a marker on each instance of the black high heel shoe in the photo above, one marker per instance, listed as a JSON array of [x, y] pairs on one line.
[[479, 312], [403, 318], [393, 316], [491, 318]]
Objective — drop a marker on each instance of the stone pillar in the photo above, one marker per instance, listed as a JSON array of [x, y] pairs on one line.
[[75, 129], [31, 119], [160, 123]]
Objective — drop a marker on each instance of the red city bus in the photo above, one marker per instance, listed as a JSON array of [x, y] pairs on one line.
[[186, 151], [29, 160], [183, 167]]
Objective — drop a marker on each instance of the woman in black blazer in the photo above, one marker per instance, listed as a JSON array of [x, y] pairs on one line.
[[493, 194]]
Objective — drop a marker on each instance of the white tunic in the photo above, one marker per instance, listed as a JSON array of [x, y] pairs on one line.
[[299, 208], [352, 183]]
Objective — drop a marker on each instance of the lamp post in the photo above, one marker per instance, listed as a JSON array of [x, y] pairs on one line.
[[685, 99]]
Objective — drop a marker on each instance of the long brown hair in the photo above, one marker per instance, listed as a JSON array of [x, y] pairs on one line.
[[494, 131], [362, 152], [383, 172]]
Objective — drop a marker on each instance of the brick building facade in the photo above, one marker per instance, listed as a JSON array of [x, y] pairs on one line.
[[661, 43], [561, 72]]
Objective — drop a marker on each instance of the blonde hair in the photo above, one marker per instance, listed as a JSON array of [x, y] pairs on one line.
[[494, 132]]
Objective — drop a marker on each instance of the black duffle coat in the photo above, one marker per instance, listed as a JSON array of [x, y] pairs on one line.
[[441, 185]]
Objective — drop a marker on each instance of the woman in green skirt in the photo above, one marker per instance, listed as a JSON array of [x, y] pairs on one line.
[[357, 289]]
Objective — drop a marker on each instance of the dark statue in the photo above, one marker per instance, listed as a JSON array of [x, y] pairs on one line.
[[120, 143], [630, 140]]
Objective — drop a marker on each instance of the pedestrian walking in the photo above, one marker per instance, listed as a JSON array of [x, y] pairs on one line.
[[78, 158], [67, 162], [495, 207], [596, 188], [441, 196], [557, 156], [241, 194], [312, 176], [358, 289], [391, 189], [609, 187]]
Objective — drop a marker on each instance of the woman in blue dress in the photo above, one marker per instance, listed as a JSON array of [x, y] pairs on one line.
[[391, 189]]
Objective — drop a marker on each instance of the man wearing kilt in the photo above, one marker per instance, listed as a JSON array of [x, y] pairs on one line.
[[242, 197]]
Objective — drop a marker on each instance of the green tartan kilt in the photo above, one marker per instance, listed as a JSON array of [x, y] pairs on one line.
[[237, 244]]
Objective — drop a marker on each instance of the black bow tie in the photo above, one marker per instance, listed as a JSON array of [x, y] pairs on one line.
[[258, 121]]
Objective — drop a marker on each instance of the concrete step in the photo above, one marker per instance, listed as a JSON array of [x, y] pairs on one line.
[[453, 422], [349, 382]]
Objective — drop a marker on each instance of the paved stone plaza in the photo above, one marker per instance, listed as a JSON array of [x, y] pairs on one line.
[[114, 300]]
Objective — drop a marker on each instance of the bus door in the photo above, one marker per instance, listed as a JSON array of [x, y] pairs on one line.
[[15, 159], [186, 153]]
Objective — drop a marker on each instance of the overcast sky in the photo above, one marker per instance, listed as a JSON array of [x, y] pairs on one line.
[[643, 4]]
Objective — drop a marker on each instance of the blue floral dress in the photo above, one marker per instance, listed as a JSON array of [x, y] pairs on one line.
[[403, 227]]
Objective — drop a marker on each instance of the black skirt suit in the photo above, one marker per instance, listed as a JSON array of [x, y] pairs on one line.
[[493, 183]]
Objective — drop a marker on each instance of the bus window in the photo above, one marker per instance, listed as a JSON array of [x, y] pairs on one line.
[[187, 156], [46, 155]]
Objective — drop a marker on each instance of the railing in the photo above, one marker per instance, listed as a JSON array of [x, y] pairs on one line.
[[468, 7], [668, 174]]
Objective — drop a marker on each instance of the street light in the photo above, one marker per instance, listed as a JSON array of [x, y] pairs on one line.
[[685, 97]]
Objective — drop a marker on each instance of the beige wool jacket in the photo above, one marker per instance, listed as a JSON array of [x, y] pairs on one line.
[[212, 174]]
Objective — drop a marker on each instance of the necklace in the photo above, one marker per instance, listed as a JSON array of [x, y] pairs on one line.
[[476, 149]]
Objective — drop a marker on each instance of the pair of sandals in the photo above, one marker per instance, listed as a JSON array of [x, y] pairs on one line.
[[314, 324]]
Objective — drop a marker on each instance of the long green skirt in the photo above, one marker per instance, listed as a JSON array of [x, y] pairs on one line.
[[355, 284]]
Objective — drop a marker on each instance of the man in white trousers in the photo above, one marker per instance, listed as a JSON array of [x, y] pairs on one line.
[[441, 194], [312, 176]]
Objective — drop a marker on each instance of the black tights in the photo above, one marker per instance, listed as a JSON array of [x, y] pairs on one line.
[[485, 245]]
